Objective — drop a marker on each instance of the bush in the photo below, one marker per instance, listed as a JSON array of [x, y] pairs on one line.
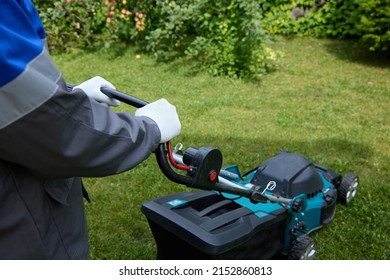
[[169, 25], [226, 37], [367, 20], [86, 23], [373, 22], [230, 39], [308, 17], [70, 23]]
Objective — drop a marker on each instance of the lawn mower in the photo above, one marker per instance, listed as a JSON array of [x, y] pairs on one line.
[[265, 213]]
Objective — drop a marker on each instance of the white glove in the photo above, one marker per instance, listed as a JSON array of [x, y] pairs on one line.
[[92, 87], [165, 116]]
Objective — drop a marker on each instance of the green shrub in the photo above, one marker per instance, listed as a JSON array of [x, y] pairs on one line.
[[368, 20], [229, 38], [127, 20], [85, 23], [71, 23], [225, 36], [373, 22], [170, 25], [307, 17]]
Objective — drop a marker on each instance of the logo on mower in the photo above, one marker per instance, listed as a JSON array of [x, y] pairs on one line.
[[271, 185]]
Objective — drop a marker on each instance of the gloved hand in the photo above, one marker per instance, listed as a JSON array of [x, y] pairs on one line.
[[165, 116], [92, 87]]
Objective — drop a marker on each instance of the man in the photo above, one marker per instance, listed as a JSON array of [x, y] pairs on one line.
[[50, 137]]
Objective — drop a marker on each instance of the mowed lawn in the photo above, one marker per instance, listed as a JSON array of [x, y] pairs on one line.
[[328, 100]]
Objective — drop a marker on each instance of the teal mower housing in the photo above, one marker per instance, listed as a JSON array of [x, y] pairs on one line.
[[293, 198]]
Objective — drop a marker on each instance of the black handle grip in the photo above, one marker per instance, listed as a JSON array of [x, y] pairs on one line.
[[161, 154], [130, 100], [112, 93]]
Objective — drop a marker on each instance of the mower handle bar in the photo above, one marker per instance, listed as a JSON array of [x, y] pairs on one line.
[[130, 100], [160, 152], [222, 185]]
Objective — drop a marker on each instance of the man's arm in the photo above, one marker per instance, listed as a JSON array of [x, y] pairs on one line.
[[73, 135]]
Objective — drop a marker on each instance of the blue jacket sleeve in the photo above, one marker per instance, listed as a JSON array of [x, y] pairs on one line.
[[22, 38]]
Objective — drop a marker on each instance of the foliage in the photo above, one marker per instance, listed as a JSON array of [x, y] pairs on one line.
[[70, 23], [368, 20], [79, 23], [230, 39], [225, 36], [170, 26], [374, 23], [307, 17]]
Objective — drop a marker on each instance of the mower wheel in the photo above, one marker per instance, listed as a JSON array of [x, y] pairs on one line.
[[303, 248], [348, 188]]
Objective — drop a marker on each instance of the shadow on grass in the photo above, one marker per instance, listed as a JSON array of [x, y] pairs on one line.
[[353, 51]]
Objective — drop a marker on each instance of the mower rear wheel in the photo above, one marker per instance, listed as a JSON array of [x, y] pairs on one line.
[[303, 248], [348, 188]]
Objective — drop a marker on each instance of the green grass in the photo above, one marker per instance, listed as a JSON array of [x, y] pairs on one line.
[[328, 100]]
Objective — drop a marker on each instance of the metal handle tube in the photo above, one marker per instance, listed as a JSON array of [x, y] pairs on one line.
[[227, 186]]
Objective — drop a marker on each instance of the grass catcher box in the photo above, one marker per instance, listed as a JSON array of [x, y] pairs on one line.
[[205, 225]]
